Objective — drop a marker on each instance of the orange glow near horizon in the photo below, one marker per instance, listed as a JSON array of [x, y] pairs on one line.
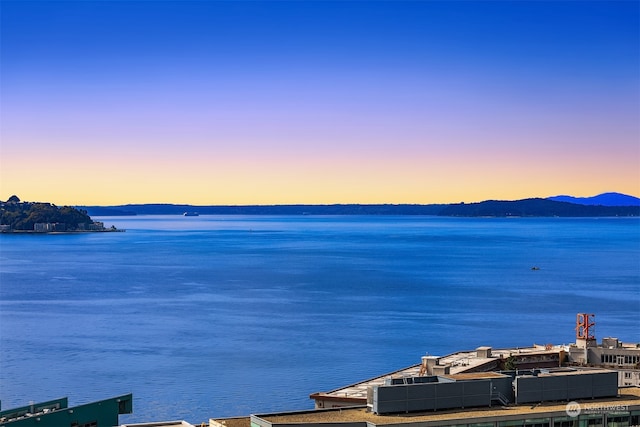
[[260, 180], [422, 108]]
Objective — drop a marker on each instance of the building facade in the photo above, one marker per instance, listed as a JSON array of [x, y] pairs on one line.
[[611, 353], [57, 413], [622, 410]]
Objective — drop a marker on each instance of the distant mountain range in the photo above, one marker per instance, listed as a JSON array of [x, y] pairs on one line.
[[536, 207], [604, 199], [608, 204]]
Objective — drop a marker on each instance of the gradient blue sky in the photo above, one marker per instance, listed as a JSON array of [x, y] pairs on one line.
[[267, 102]]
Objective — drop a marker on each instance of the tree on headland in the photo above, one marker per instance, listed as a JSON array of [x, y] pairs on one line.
[[24, 215]]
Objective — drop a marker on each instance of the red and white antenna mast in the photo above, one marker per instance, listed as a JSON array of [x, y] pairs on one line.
[[585, 329]]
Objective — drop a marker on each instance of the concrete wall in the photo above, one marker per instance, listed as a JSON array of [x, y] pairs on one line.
[[618, 356], [629, 357], [628, 377]]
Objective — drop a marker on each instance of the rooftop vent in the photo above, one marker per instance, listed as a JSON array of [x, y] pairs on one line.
[[483, 352]]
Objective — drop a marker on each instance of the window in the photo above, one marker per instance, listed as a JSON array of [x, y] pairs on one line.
[[591, 420], [618, 421], [564, 422], [540, 422], [536, 422]]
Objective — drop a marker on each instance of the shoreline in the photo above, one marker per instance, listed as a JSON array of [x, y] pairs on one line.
[[106, 230]]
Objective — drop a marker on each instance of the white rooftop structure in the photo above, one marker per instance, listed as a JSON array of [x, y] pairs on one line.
[[480, 360]]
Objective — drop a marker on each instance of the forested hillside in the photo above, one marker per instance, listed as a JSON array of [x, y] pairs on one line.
[[536, 207], [22, 216]]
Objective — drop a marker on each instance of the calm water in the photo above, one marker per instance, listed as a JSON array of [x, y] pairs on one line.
[[221, 316]]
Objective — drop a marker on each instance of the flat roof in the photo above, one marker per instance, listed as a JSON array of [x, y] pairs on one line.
[[628, 397], [231, 422], [178, 423], [475, 376], [458, 362], [575, 371]]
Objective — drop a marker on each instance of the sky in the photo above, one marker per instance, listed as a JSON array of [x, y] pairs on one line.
[[317, 102]]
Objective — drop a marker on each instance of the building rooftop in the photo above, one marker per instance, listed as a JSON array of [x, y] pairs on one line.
[[57, 412], [464, 360], [474, 376], [178, 423], [628, 397], [608, 341], [230, 422], [458, 363]]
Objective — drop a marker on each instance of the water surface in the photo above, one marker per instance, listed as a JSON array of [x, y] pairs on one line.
[[215, 316]]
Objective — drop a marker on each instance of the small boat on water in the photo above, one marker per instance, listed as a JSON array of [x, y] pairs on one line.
[[191, 214]]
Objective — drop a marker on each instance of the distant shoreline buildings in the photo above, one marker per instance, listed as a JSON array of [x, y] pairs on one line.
[[27, 217]]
